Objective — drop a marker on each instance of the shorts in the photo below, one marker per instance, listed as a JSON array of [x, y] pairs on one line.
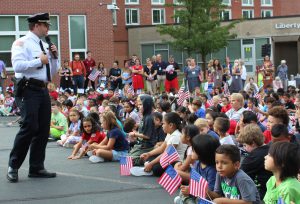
[[171, 84], [118, 154]]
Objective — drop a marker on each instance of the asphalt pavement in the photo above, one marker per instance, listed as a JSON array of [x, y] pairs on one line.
[[77, 181]]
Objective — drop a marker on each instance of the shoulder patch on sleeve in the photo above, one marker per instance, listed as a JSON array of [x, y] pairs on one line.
[[19, 43]]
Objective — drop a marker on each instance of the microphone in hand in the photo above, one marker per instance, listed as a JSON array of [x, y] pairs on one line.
[[54, 53]]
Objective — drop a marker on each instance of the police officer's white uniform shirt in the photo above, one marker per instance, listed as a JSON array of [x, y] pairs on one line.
[[25, 57]]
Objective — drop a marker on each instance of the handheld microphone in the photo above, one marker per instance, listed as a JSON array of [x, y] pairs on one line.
[[47, 38]]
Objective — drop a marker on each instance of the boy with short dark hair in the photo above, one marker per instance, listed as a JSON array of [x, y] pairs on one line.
[[232, 184], [59, 123], [159, 132]]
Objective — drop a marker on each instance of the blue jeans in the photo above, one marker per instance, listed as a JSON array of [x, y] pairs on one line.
[[78, 83]]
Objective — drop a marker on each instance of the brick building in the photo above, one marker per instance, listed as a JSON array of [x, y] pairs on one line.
[[80, 25]]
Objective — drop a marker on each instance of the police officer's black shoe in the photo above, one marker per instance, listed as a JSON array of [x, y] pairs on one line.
[[43, 173], [12, 175]]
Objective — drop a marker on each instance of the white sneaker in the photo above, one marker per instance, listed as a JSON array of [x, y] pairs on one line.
[[68, 145], [59, 142], [96, 159], [90, 153], [140, 171]]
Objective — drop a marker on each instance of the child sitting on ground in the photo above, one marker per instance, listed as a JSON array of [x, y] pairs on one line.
[[59, 123], [202, 124], [203, 152], [283, 161], [221, 126], [90, 134], [232, 184], [182, 168], [73, 133], [159, 132]]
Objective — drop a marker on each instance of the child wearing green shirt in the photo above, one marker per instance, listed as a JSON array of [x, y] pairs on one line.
[[59, 123], [283, 161]]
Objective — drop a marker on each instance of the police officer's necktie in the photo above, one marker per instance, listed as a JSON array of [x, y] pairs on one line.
[[47, 65]]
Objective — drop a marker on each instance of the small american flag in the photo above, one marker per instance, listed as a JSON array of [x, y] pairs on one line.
[[198, 184], [292, 119], [170, 180], [170, 155], [257, 96], [130, 90], [280, 201], [125, 165], [94, 74], [209, 99], [183, 94], [204, 201]]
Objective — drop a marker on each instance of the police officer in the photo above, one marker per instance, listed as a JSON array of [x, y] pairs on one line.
[[35, 62]]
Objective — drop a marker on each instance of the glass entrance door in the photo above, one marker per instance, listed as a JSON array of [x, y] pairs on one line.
[[248, 54]]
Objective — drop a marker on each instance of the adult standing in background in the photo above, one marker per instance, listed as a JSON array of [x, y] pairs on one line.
[[3, 75], [160, 66], [218, 73], [244, 72], [282, 70], [137, 76], [237, 71], [115, 76], [65, 73], [35, 64], [151, 77], [89, 64], [192, 73], [171, 75], [79, 73], [228, 65]]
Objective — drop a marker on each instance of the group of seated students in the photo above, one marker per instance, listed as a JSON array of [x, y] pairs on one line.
[[247, 148]]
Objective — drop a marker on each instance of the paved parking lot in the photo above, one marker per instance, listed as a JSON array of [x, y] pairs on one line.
[[78, 181]]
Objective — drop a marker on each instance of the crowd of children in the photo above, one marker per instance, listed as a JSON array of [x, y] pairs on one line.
[[246, 144]]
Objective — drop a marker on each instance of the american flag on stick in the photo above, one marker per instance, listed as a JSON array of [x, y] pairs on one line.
[[183, 94], [209, 99], [130, 90], [94, 74], [125, 165], [170, 180], [198, 184], [204, 201], [169, 156]]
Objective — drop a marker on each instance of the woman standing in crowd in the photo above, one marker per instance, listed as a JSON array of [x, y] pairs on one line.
[[137, 76], [126, 75], [65, 73], [244, 72], [192, 74], [115, 76], [218, 73], [237, 71], [151, 77], [268, 70]]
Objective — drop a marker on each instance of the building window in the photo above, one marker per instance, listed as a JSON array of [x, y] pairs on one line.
[[266, 13], [132, 16], [226, 2], [157, 2], [266, 3], [13, 27], [176, 2], [114, 13], [247, 14], [247, 2], [130, 2], [77, 35], [176, 19], [158, 16], [226, 15]]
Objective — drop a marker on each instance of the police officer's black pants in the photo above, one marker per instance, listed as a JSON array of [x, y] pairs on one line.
[[34, 131]]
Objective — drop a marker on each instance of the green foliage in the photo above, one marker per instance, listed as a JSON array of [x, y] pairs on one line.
[[199, 29]]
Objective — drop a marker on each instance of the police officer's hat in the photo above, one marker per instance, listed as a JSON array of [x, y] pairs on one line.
[[39, 18]]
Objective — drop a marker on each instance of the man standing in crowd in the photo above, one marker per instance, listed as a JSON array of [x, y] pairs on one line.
[[90, 64], [2, 76], [79, 73], [160, 66], [35, 64]]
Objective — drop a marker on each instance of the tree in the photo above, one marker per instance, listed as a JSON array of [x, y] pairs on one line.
[[199, 29]]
